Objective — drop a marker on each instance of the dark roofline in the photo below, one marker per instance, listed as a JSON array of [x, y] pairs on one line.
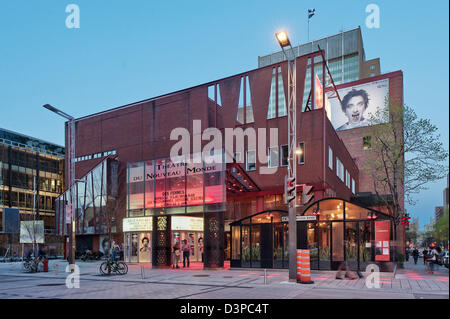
[[30, 137]]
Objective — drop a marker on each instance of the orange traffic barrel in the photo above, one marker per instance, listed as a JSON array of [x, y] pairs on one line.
[[303, 267]]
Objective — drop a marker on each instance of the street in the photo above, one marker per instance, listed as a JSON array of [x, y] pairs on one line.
[[409, 283]]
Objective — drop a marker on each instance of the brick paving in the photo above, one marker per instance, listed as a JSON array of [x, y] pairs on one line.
[[196, 283]]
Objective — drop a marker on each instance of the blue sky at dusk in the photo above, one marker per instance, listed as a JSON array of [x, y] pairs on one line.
[[126, 51]]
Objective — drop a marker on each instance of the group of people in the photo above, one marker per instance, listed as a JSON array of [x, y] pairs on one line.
[[184, 250], [430, 256]]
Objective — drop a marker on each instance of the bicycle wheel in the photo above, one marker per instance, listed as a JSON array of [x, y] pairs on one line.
[[122, 268], [104, 268], [27, 266]]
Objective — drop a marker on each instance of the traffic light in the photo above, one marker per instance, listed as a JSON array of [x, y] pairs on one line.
[[405, 220], [289, 189]]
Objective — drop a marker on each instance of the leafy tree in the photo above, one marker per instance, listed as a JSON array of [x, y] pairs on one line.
[[440, 232], [404, 155]]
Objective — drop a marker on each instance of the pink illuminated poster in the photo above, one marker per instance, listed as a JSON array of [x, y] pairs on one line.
[[382, 236]]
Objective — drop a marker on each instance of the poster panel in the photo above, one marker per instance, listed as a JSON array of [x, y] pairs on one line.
[[32, 231], [358, 102], [382, 243]]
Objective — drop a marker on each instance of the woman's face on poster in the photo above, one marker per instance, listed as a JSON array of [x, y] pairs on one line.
[[355, 109]]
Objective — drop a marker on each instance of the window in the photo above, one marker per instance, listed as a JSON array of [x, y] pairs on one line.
[[339, 169], [273, 156], [237, 157], [353, 186], [251, 160], [284, 155], [372, 67], [272, 109], [330, 158], [301, 156], [245, 109], [277, 100], [367, 142], [347, 179], [214, 94]]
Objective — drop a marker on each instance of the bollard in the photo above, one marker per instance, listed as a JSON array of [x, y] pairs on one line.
[[142, 272], [265, 276], [303, 267], [56, 269]]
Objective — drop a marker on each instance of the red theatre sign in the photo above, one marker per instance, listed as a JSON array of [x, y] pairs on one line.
[[163, 183]]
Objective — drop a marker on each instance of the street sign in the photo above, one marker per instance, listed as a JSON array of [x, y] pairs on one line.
[[300, 218]]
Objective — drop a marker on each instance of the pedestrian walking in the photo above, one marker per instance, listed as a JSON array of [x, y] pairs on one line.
[[415, 255], [407, 254], [431, 258], [186, 248], [176, 255], [424, 254]]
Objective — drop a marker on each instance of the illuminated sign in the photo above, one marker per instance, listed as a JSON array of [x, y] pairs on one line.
[[136, 224], [163, 183]]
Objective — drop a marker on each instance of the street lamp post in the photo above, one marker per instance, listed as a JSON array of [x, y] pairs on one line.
[[71, 160], [284, 42]]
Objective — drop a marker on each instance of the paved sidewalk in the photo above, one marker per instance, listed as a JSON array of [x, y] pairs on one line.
[[408, 283]]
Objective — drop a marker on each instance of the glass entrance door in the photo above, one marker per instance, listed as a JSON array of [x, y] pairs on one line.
[[194, 239], [133, 244]]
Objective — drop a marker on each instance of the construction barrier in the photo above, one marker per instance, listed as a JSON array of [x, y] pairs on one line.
[[303, 267]]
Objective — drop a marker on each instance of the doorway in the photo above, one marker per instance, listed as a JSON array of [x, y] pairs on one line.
[[195, 241]]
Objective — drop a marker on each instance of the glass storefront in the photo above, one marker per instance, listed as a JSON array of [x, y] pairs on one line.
[[340, 231], [138, 233], [260, 241]]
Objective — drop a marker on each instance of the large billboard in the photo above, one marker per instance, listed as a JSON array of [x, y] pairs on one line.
[[358, 102], [32, 231]]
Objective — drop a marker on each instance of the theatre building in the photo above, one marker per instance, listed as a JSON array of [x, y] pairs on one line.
[[231, 210]]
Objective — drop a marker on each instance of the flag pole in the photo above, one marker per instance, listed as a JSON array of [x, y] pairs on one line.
[[308, 25]]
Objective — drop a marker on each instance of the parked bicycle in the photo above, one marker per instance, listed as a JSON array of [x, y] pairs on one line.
[[107, 267], [31, 264]]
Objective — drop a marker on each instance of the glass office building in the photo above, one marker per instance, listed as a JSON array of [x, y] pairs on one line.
[[28, 164]]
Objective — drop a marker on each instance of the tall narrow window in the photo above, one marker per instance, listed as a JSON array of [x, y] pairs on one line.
[[284, 155], [272, 109], [218, 99], [214, 94], [353, 186], [273, 156], [251, 160], [330, 158], [301, 153], [240, 112], [367, 142], [281, 98], [248, 102]]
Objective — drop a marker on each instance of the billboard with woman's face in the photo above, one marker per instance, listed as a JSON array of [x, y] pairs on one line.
[[358, 102]]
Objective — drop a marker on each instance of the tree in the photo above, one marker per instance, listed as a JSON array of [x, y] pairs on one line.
[[404, 155], [440, 232]]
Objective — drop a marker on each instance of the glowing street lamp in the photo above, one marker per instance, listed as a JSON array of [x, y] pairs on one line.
[[283, 39]]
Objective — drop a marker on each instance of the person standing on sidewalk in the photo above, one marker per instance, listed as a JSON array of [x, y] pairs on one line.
[[415, 254], [176, 255], [186, 248]]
